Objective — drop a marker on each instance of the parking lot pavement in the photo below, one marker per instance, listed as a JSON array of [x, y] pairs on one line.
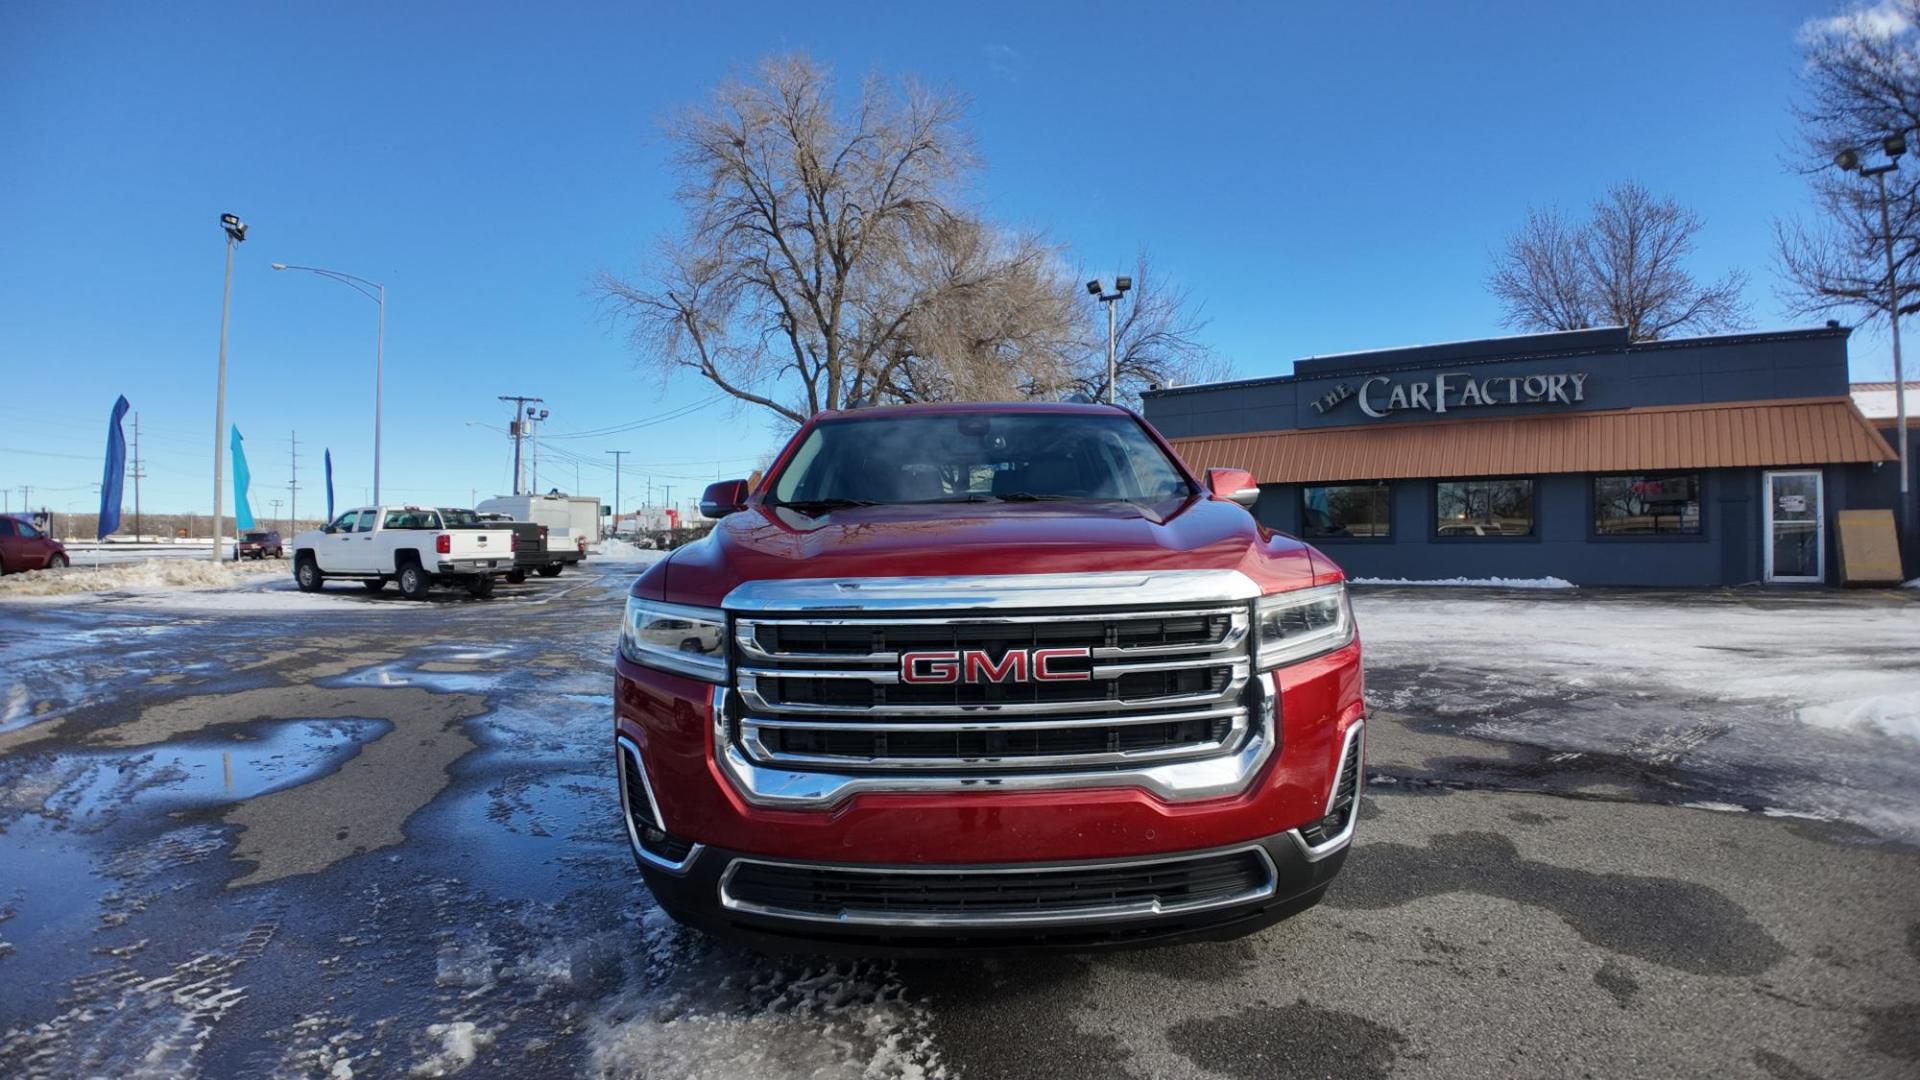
[[1632, 835]]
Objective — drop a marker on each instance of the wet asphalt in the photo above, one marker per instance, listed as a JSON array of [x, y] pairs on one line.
[[374, 838]]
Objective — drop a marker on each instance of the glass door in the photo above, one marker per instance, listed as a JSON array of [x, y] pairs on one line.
[[1796, 533]]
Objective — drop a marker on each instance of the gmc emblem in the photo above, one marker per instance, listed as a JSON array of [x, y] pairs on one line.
[[977, 665]]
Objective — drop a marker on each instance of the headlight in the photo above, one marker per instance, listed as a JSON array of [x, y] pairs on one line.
[[1292, 626], [674, 637]]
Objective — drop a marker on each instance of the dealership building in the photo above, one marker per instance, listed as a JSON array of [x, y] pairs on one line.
[[1579, 455]]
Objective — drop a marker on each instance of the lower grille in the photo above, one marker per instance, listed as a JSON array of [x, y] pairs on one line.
[[997, 896]]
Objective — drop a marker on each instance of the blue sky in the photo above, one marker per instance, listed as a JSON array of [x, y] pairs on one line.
[[1324, 177]]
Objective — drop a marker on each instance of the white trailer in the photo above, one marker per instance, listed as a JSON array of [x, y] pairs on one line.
[[571, 520]]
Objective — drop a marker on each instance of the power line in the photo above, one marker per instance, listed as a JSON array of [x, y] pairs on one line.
[[139, 473], [616, 429]]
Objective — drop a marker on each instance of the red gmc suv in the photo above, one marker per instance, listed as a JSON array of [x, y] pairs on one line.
[[987, 677]]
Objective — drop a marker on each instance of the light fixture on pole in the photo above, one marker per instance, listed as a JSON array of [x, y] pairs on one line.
[[1894, 146], [377, 293], [1120, 286], [236, 232]]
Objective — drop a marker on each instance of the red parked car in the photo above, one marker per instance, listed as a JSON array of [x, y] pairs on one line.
[[987, 677], [23, 546]]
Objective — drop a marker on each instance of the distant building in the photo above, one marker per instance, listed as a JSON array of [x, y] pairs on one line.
[[1580, 455], [1877, 401]]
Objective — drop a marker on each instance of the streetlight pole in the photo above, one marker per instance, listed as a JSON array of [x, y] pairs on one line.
[[236, 232], [1120, 287], [376, 292], [1893, 146]]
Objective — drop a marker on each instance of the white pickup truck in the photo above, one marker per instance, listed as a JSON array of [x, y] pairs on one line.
[[408, 544]]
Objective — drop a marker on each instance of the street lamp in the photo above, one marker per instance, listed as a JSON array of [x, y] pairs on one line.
[[377, 293], [1120, 287], [236, 231], [1848, 159]]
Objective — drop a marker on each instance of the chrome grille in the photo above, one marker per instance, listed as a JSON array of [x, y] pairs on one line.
[[827, 692]]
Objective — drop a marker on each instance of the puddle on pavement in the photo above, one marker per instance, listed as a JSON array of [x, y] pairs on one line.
[[514, 837], [232, 769], [203, 771], [408, 673], [50, 893]]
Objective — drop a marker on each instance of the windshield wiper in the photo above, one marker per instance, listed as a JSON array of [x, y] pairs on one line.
[[821, 506], [1036, 496]]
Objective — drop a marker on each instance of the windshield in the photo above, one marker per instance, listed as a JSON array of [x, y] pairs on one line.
[[979, 457], [458, 519], [256, 536]]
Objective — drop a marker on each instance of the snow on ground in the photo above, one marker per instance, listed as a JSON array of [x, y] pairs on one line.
[[1483, 583], [262, 587], [614, 550], [1832, 662], [1815, 699], [167, 573]]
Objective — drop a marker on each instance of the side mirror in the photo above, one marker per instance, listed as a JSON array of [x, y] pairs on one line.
[[722, 498], [1236, 485]]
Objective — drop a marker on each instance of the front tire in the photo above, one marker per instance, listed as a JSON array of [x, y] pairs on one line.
[[414, 582], [549, 570], [306, 574], [58, 561], [481, 587]]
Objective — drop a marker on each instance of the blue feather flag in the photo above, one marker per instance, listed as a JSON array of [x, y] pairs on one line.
[[242, 513], [329, 485], [115, 477]]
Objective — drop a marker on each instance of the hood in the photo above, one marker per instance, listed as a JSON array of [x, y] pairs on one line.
[[953, 539]]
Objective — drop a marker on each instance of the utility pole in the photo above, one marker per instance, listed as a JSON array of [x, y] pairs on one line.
[[139, 471], [617, 455], [236, 232], [516, 427], [293, 479], [276, 513]]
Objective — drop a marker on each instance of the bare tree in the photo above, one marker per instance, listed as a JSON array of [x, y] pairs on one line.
[[1860, 84], [1625, 266], [1541, 277], [1157, 338], [825, 259]]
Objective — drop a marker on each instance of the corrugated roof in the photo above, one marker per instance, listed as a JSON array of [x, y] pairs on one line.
[[1721, 435]]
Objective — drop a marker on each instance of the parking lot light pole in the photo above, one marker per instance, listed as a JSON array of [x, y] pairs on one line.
[[377, 293], [1120, 287], [236, 232], [1894, 146]]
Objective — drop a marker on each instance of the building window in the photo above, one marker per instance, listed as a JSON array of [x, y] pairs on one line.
[[1664, 504], [1483, 508], [1345, 510]]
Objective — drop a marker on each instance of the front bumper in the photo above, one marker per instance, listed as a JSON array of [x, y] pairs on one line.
[[700, 894]]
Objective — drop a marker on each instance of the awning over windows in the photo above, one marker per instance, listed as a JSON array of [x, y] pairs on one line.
[[1718, 436]]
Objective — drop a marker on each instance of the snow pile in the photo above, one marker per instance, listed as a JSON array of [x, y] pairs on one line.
[[460, 1043], [615, 550], [145, 574], [1484, 583]]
